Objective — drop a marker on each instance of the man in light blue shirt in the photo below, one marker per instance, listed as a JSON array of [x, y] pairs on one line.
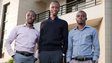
[[83, 42]]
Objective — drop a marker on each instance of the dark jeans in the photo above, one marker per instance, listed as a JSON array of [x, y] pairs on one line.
[[50, 57]]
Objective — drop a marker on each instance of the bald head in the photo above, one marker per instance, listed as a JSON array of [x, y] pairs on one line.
[[55, 2], [82, 12], [30, 17], [31, 11], [81, 17], [54, 8]]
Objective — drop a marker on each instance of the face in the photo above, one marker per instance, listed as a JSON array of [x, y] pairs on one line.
[[30, 17], [54, 8], [81, 18]]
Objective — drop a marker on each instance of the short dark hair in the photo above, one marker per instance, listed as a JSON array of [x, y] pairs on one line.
[[32, 12], [81, 11], [55, 1]]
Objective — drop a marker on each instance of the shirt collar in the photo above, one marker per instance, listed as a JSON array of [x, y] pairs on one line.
[[54, 19], [76, 28], [24, 25]]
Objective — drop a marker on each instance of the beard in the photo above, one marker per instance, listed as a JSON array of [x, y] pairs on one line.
[[54, 13], [30, 21], [81, 23]]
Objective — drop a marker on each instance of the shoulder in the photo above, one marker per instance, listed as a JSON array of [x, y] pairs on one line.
[[17, 27], [71, 31], [45, 21], [20, 26], [63, 21], [37, 32], [92, 29]]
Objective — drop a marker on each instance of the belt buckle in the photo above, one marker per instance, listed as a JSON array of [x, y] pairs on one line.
[[82, 58], [26, 53]]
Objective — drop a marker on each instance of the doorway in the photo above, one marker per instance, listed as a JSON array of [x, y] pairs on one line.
[[4, 16]]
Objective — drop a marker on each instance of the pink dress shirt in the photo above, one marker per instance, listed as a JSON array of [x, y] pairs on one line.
[[25, 39]]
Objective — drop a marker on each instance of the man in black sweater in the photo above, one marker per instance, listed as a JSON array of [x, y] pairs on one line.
[[53, 37]]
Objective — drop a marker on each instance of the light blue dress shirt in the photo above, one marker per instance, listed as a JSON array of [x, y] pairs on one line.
[[83, 42]]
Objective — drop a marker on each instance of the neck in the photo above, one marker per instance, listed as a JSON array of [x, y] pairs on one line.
[[29, 25], [80, 27], [53, 17]]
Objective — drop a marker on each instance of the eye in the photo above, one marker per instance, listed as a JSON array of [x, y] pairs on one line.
[[80, 16]]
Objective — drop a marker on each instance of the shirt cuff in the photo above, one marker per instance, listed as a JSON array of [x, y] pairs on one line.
[[36, 54], [68, 59], [95, 58]]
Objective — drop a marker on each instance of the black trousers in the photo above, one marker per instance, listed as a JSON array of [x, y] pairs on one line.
[[50, 57]]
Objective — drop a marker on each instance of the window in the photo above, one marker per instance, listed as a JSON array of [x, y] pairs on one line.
[[72, 3]]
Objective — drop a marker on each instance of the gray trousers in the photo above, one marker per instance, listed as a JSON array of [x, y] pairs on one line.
[[50, 57], [18, 58]]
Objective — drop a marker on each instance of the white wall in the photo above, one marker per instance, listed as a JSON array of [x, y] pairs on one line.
[[11, 21], [60, 1], [29, 5], [0, 14], [92, 13], [108, 30]]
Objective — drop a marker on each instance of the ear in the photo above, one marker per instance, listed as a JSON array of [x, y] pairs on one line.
[[85, 18]]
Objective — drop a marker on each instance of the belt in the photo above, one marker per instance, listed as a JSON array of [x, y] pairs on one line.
[[24, 53], [82, 59]]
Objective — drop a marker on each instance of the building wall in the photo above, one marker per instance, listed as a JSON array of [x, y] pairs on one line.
[[102, 42], [92, 13], [29, 5], [18, 8], [108, 30], [0, 9], [60, 1], [0, 16], [11, 21]]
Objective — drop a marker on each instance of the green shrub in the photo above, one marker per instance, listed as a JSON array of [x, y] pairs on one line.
[[10, 61]]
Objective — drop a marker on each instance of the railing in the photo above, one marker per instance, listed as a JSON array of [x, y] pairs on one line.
[[42, 16], [69, 7]]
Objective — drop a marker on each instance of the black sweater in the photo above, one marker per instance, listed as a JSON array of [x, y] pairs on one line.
[[53, 35]]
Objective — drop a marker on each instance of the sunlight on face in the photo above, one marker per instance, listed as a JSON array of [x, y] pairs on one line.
[[30, 17], [54, 8]]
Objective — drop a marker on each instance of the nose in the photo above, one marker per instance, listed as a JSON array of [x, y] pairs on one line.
[[30, 17]]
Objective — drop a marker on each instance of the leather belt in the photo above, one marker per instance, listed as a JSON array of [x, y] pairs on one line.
[[24, 53], [82, 59]]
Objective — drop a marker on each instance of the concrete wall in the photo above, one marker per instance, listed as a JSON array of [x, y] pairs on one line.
[[0, 10], [108, 30], [102, 41], [24, 6], [11, 21], [18, 8], [0, 16], [98, 12], [92, 12], [60, 1]]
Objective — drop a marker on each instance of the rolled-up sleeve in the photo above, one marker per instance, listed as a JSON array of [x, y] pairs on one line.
[[96, 45], [70, 46]]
